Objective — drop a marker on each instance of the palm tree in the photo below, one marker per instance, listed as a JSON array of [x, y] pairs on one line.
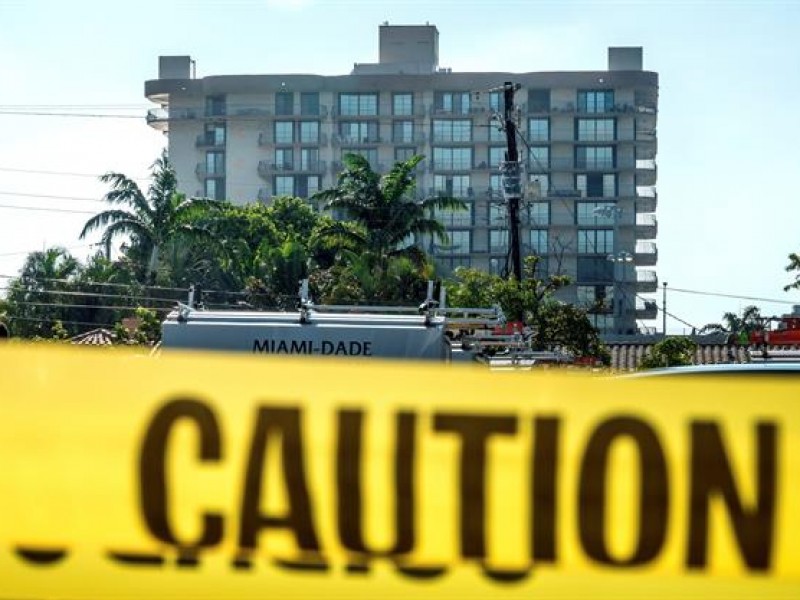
[[385, 209], [34, 298], [737, 327], [151, 220]]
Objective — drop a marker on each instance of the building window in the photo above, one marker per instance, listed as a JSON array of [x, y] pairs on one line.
[[306, 185], [497, 154], [358, 104], [214, 188], [496, 185], [403, 154], [595, 241], [497, 266], [497, 102], [498, 241], [539, 130], [403, 104], [284, 159], [284, 103], [595, 130], [284, 185], [452, 159], [458, 242], [214, 134], [309, 103], [457, 103], [403, 132], [496, 132], [309, 159], [538, 101], [215, 106], [537, 241], [284, 132], [215, 162], [595, 296], [454, 186], [359, 132], [595, 101], [371, 154], [539, 158], [595, 269], [538, 213], [603, 323], [596, 185], [498, 213], [538, 186], [453, 217], [452, 130], [309, 132], [595, 157], [594, 213]]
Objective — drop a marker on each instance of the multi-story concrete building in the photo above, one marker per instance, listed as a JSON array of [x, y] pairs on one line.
[[588, 148]]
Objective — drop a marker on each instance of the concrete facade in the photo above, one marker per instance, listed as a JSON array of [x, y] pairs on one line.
[[588, 154]]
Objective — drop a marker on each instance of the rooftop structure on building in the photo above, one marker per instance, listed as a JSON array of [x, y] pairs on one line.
[[587, 147]]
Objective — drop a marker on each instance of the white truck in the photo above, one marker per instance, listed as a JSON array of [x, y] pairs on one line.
[[430, 332]]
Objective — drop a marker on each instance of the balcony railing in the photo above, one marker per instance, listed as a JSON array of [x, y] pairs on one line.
[[342, 140], [208, 141], [205, 170]]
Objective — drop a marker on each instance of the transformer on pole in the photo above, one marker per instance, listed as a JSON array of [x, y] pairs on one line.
[[511, 177]]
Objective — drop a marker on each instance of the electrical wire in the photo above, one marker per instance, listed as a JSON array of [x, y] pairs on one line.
[[45, 209], [50, 196]]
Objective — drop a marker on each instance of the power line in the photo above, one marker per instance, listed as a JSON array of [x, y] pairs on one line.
[[50, 196], [733, 296], [21, 252], [65, 173], [70, 115], [41, 208]]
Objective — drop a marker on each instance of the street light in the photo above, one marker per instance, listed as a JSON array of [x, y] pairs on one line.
[[619, 258], [613, 212]]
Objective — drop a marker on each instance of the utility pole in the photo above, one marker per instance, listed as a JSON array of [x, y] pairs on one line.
[[664, 311], [510, 170]]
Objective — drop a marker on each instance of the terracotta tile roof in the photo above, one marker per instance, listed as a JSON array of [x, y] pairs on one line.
[[626, 357]]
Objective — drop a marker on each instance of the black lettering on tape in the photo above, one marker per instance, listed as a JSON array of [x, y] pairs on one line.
[[41, 556], [474, 431], [544, 488], [153, 488], [712, 475], [138, 559], [286, 424], [653, 495], [505, 575], [350, 496], [420, 571]]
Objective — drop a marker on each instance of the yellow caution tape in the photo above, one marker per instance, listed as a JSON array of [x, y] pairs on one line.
[[215, 476]]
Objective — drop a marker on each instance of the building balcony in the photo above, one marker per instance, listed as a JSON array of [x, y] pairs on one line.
[[204, 170], [646, 200], [459, 113], [646, 226], [337, 115], [209, 141], [312, 166], [298, 113], [646, 172], [646, 281], [645, 254], [341, 140], [646, 309]]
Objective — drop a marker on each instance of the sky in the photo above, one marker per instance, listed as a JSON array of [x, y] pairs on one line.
[[728, 124]]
